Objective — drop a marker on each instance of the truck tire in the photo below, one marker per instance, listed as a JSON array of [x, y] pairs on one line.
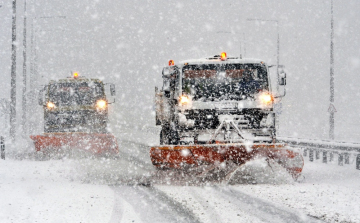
[[169, 137], [163, 139]]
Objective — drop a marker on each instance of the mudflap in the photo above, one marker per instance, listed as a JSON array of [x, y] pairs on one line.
[[93, 143], [184, 156]]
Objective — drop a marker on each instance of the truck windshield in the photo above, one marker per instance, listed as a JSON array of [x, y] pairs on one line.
[[75, 93], [223, 81]]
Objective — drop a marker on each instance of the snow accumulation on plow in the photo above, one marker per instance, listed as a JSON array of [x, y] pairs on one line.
[[95, 143], [179, 156]]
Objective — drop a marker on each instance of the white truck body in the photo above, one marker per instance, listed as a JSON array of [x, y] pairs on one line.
[[219, 118]]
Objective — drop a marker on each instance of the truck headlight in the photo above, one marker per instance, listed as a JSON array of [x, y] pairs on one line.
[[50, 105], [184, 100], [266, 98], [101, 104]]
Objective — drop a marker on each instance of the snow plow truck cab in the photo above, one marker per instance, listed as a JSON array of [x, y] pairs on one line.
[[75, 117], [215, 110]]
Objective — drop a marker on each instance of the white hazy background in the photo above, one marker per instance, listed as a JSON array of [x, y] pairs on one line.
[[128, 43]]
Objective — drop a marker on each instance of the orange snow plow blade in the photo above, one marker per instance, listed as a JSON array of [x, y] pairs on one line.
[[179, 156], [94, 143]]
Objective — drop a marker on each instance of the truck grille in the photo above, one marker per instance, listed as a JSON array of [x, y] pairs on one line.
[[209, 119], [63, 121]]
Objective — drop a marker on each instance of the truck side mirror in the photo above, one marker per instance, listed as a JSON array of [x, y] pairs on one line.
[[166, 87], [282, 75], [41, 99], [112, 89], [169, 75], [282, 79], [169, 71]]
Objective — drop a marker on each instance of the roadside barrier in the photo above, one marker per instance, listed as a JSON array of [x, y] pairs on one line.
[[2, 147], [347, 153]]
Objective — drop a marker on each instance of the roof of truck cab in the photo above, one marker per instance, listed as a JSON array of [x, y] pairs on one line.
[[73, 80], [215, 60]]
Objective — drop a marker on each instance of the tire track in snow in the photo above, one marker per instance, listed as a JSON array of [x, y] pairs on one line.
[[211, 211], [254, 206], [150, 204], [262, 209]]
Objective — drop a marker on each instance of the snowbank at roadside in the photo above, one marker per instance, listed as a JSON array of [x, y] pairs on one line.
[[33, 191], [329, 192]]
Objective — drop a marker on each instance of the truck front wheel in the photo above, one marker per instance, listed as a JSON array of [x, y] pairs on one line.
[[169, 137]]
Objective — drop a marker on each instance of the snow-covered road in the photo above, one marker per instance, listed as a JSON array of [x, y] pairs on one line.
[[101, 190], [147, 204]]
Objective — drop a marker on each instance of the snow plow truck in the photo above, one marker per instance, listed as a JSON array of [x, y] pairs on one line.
[[216, 111], [75, 117]]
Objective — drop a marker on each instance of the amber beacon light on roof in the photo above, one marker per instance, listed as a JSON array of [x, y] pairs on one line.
[[75, 75], [223, 56]]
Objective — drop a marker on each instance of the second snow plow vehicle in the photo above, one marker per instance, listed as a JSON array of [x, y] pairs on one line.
[[218, 110], [75, 117]]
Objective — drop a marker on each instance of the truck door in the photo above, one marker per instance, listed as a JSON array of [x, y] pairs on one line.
[[164, 97]]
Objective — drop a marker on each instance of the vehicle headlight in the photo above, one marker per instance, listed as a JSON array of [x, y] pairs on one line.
[[50, 105], [184, 100], [101, 104], [266, 98]]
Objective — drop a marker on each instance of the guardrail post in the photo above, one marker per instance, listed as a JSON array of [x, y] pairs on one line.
[[2, 147], [305, 152], [341, 159], [324, 157], [358, 162], [317, 154], [331, 156], [311, 155], [347, 158]]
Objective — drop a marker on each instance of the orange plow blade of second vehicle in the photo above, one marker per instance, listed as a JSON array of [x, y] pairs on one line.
[[195, 155], [92, 142]]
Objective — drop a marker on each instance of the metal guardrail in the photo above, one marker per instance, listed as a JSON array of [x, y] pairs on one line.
[[2, 147], [344, 151]]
